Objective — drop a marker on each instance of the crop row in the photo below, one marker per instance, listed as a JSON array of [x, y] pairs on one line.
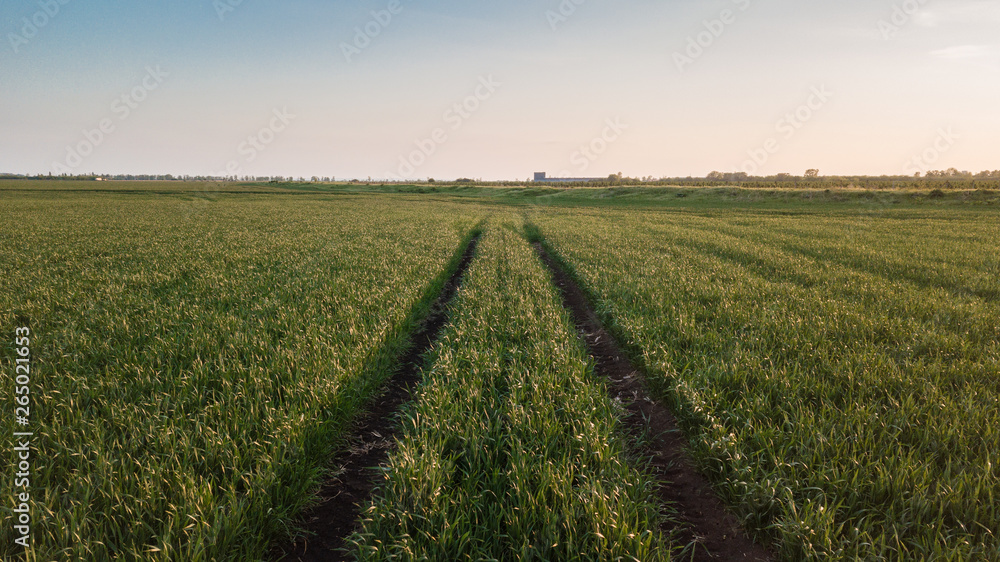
[[197, 361], [511, 450], [840, 375]]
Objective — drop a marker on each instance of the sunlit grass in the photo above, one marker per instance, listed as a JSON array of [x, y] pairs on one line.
[[200, 354], [840, 375], [197, 360], [512, 450]]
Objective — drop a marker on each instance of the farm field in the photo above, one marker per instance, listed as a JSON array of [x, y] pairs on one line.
[[511, 450], [198, 360], [202, 353], [838, 373]]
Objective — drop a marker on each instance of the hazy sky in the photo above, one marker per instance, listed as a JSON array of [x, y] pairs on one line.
[[498, 90]]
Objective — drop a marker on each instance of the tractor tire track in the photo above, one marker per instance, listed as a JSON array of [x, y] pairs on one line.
[[330, 523], [711, 531]]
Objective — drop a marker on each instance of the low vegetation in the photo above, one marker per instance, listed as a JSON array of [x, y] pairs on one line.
[[512, 449], [838, 374], [201, 350], [197, 361]]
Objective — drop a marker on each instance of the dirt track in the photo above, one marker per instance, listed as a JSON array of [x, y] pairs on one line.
[[334, 519], [711, 528]]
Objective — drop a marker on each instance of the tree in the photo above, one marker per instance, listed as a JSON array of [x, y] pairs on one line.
[[812, 173]]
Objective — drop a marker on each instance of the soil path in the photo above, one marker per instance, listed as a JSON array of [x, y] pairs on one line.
[[711, 529], [335, 518]]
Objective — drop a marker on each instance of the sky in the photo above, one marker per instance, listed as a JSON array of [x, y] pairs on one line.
[[411, 89]]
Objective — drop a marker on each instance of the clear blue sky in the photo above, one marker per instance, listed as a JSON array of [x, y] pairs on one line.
[[602, 88]]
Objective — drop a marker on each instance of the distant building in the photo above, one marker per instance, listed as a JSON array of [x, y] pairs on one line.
[[542, 177]]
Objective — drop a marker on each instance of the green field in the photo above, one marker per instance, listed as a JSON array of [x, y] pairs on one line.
[[198, 361], [839, 374], [511, 450], [201, 352]]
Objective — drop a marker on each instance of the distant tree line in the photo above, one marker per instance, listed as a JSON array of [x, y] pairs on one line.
[[953, 173], [932, 180], [161, 177], [935, 179]]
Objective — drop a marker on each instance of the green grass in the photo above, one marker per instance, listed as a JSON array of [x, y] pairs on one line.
[[197, 361], [512, 450], [202, 348], [839, 374], [823, 197]]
